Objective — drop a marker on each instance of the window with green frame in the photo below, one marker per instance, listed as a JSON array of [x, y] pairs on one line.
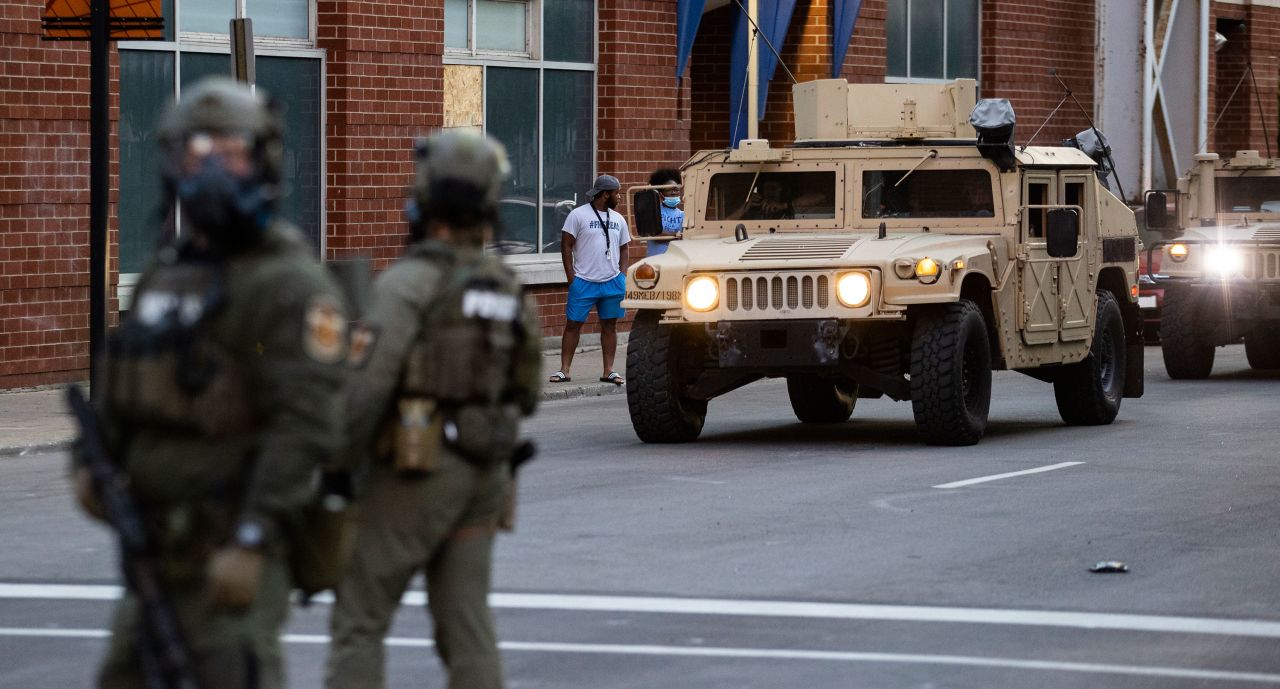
[[540, 104], [932, 39], [152, 74]]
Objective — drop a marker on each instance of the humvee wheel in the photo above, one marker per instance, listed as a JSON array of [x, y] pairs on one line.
[[821, 400], [657, 372], [1186, 354], [1089, 392], [951, 374], [1262, 347]]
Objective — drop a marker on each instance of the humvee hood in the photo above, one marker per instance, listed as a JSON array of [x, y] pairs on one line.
[[790, 251], [1265, 231]]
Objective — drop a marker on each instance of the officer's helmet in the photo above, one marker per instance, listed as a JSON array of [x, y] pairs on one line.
[[459, 178], [221, 106]]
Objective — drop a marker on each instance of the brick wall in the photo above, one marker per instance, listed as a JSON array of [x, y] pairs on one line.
[[384, 89], [1253, 36], [44, 202], [1021, 41]]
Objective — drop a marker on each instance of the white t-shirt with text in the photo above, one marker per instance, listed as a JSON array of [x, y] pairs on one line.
[[593, 259]]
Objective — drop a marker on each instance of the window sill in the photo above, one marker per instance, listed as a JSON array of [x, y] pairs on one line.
[[538, 272]]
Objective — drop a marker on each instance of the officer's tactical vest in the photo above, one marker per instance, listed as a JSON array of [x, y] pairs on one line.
[[458, 378], [166, 370]]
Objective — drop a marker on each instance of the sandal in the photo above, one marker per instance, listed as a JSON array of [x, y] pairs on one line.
[[615, 378], [558, 377]]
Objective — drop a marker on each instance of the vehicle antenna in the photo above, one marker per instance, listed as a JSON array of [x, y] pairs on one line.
[[1262, 116], [1046, 121], [760, 33], [1106, 147]]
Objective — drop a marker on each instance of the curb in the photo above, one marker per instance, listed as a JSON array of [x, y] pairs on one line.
[[559, 391], [37, 448]]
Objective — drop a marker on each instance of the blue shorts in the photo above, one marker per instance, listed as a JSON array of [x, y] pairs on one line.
[[605, 296]]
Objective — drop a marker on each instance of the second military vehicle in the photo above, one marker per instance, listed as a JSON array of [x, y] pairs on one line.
[[894, 250], [1221, 265]]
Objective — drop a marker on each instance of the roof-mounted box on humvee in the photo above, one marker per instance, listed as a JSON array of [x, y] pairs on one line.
[[893, 250]]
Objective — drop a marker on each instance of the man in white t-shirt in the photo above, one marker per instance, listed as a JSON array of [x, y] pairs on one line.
[[595, 263]]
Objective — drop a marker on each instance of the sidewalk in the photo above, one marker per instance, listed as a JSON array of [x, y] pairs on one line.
[[34, 421]]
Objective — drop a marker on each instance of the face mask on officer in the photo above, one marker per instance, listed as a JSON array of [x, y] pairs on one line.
[[220, 189]]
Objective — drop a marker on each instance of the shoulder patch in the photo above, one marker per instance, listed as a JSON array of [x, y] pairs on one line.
[[363, 337], [325, 330]]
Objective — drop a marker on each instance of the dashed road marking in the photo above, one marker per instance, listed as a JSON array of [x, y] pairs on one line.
[[1011, 474]]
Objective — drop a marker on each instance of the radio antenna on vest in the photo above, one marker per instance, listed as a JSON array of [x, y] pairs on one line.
[[1106, 147]]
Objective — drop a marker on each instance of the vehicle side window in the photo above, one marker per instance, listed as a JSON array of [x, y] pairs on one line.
[[1074, 194], [1037, 195], [772, 196], [927, 194]]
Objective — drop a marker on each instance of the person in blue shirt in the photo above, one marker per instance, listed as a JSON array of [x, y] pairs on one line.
[[672, 216]]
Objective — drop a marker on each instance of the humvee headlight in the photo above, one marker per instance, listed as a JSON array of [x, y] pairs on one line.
[[1178, 252], [853, 289], [1223, 260], [646, 276], [702, 293]]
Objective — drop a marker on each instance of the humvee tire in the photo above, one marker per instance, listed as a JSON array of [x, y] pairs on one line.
[[951, 374], [821, 400], [655, 378], [1089, 392], [1262, 348], [1186, 354]]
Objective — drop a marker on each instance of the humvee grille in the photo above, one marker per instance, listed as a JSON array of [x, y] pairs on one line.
[[761, 293], [1265, 265], [794, 248], [1268, 233]]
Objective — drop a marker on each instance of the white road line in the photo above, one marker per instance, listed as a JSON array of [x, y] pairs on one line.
[[762, 654], [1011, 474], [1158, 624]]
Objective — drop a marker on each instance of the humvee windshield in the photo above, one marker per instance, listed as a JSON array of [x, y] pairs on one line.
[[772, 196], [927, 194], [1248, 194]]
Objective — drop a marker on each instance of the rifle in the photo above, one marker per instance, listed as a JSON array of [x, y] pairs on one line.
[[165, 661]]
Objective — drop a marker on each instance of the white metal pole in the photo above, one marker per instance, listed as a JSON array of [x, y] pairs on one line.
[[1148, 90], [753, 70], [240, 11], [1202, 114]]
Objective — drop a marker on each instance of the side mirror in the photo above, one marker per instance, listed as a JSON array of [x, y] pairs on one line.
[[1063, 233], [647, 206], [1156, 205]]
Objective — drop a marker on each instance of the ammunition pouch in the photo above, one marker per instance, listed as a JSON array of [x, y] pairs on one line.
[[322, 536], [197, 389], [484, 436]]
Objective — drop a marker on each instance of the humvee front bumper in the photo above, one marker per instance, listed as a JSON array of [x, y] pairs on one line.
[[777, 344]]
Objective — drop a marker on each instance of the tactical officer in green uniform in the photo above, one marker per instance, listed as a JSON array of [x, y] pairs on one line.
[[437, 409], [223, 396]]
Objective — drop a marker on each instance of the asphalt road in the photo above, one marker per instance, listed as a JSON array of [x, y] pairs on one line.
[[771, 554]]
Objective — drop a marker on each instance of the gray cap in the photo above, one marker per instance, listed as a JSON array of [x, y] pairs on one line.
[[604, 183]]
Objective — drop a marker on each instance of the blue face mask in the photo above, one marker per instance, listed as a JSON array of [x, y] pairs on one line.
[[671, 201]]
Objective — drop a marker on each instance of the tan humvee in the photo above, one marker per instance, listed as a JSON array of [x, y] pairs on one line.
[[886, 253], [1222, 273]]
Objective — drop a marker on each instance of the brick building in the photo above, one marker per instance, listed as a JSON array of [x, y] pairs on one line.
[[573, 87]]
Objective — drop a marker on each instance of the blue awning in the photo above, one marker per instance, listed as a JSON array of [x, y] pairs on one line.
[[844, 18], [688, 16], [774, 19]]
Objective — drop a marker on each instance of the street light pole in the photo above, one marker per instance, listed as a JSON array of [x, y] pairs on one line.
[[753, 70], [99, 179]]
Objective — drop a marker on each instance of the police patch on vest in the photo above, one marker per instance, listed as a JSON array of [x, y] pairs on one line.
[[492, 306], [325, 330], [363, 337]]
